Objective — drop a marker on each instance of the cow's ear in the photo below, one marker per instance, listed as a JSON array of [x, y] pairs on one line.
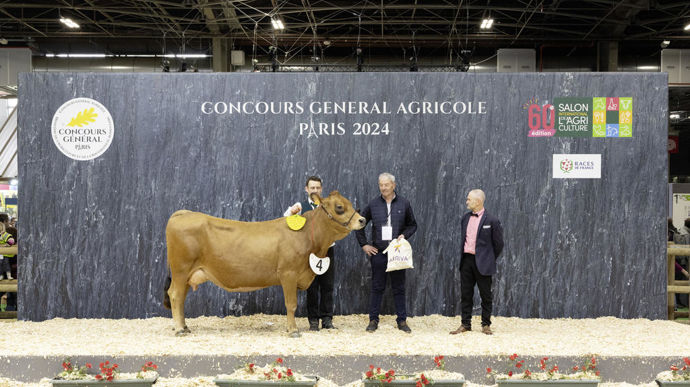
[[315, 197]]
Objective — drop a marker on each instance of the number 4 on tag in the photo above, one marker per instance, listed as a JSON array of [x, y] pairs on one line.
[[319, 265]]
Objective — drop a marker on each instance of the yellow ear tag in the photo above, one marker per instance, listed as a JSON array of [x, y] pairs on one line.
[[295, 222]]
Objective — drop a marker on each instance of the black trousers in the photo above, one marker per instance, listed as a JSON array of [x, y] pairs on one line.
[[379, 277], [321, 307], [469, 275]]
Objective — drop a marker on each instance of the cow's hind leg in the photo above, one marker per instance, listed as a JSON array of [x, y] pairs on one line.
[[290, 295], [178, 292]]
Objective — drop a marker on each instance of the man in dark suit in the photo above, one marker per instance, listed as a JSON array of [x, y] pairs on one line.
[[317, 307], [481, 235]]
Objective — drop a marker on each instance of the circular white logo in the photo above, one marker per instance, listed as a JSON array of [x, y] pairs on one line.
[[82, 129]]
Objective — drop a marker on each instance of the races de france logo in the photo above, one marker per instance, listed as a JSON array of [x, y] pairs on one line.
[[82, 129], [566, 165]]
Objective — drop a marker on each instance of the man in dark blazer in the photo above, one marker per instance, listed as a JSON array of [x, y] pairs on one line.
[[481, 238], [320, 303]]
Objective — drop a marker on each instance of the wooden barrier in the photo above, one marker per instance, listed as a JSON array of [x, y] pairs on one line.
[[676, 286]]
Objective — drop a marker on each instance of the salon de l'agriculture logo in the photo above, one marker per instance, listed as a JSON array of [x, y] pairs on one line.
[[580, 117]]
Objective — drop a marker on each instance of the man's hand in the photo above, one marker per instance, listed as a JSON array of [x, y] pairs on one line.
[[401, 236], [370, 250], [295, 208]]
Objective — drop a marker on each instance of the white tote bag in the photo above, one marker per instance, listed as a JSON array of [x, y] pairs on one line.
[[399, 255]]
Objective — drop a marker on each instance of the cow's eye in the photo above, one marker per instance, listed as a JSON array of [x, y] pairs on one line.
[[339, 209]]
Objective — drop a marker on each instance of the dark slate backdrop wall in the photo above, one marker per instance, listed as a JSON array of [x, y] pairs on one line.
[[92, 232]]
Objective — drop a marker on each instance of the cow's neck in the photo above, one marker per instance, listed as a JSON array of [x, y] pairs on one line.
[[323, 232]]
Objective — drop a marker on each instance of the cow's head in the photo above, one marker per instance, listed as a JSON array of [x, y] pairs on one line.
[[340, 210]]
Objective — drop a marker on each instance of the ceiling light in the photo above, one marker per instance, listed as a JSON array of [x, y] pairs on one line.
[[86, 55], [666, 42], [486, 24], [687, 27], [68, 22], [277, 24], [3, 41], [674, 116]]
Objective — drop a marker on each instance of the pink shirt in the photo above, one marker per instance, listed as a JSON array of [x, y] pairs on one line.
[[471, 235]]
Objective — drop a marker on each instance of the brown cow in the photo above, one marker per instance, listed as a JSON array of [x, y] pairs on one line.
[[245, 256]]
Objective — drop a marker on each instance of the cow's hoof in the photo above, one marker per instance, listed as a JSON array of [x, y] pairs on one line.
[[183, 332], [295, 334]]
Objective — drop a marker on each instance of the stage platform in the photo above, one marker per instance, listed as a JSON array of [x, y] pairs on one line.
[[628, 351]]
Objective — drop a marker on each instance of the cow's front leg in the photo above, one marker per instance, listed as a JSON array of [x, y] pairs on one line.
[[178, 292], [290, 295]]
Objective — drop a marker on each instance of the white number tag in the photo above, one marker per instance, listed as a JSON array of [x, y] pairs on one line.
[[386, 233], [319, 265]]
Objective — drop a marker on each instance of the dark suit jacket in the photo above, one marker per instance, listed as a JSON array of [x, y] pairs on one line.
[[489, 241]]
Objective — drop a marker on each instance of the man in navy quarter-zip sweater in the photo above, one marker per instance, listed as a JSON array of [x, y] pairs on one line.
[[391, 216], [481, 241]]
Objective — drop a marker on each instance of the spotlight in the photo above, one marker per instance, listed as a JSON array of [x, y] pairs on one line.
[[3, 41], [486, 24], [687, 27], [277, 24], [69, 22], [665, 43]]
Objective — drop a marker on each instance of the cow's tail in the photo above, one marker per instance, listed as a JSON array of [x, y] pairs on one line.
[[166, 297]]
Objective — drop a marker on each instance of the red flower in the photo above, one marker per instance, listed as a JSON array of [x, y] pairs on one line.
[[392, 372], [518, 365], [674, 368], [576, 368], [279, 361], [488, 370], [687, 360], [510, 373], [280, 375], [528, 373], [419, 384], [378, 370], [597, 373], [110, 378], [369, 374], [513, 356], [88, 365], [99, 377], [289, 372], [371, 366]]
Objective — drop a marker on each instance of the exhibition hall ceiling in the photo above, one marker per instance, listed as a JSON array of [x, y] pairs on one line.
[[334, 23]]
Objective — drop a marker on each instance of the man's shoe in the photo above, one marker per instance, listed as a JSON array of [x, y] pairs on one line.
[[327, 323], [462, 329], [487, 330], [314, 325], [402, 325], [373, 325]]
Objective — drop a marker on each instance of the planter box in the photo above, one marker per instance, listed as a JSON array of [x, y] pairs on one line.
[[265, 383], [411, 381], [666, 383], [549, 383], [96, 383]]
